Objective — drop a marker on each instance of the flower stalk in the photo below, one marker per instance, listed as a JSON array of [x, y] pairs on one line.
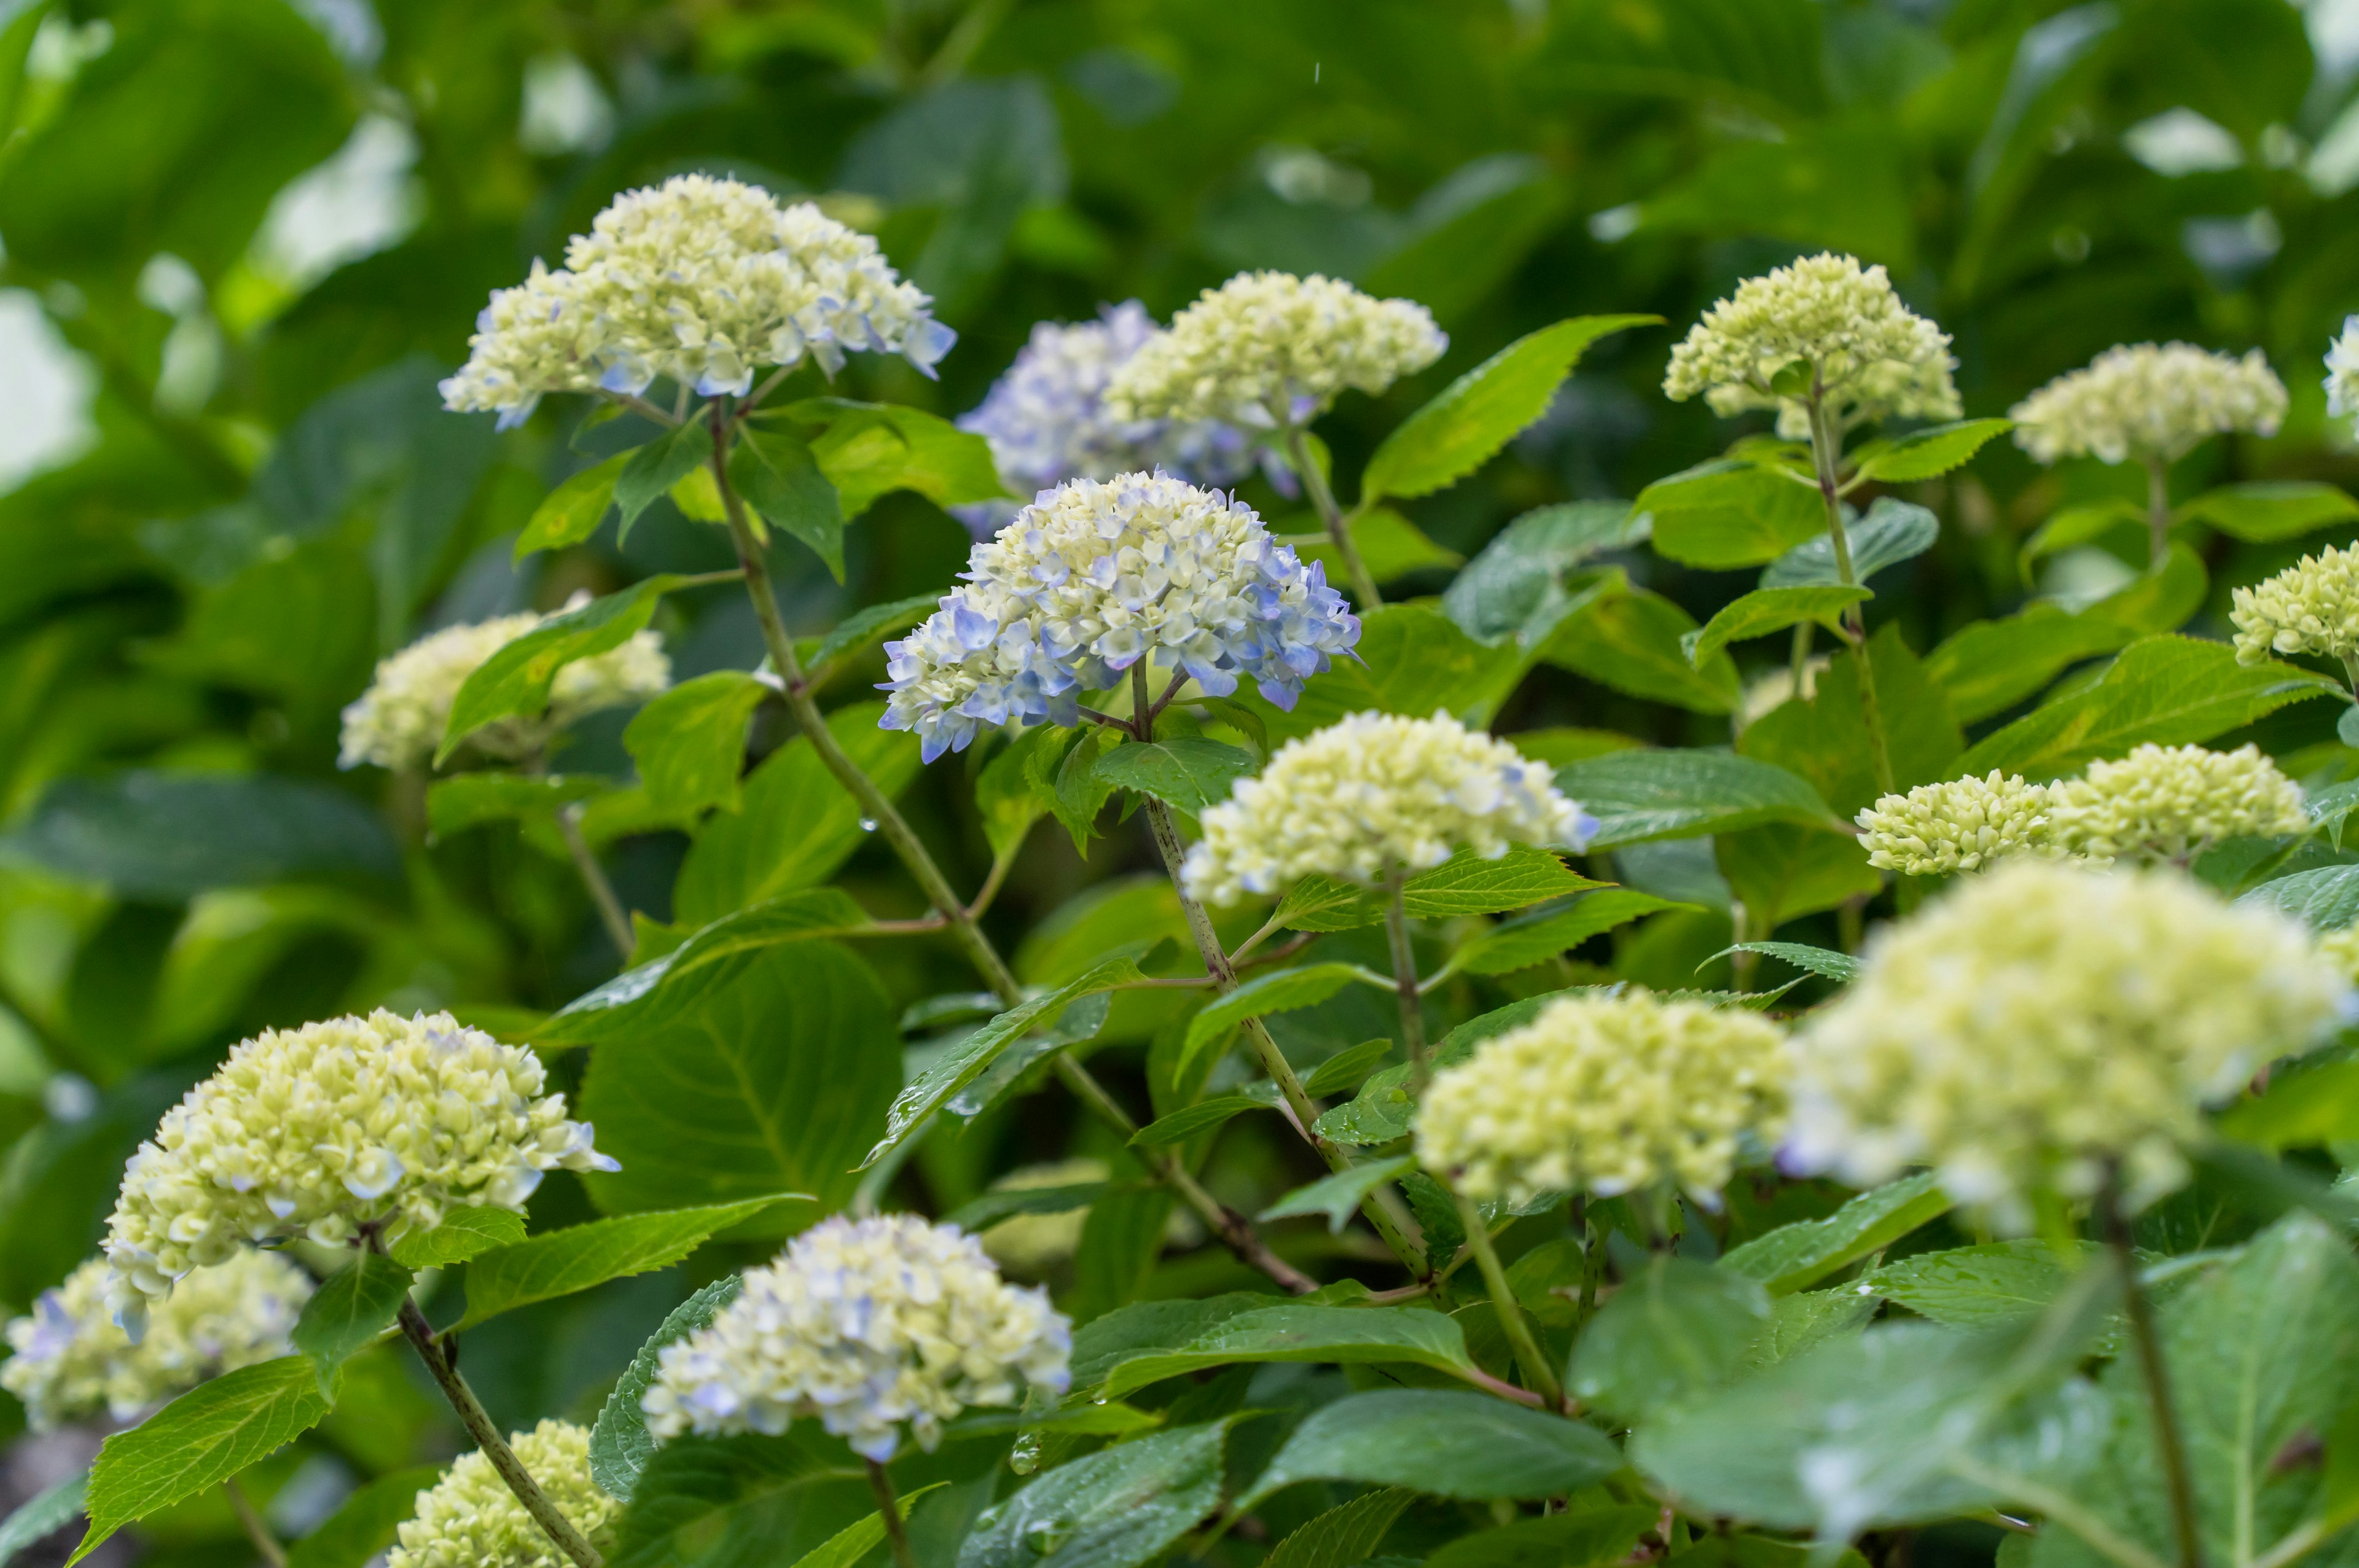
[[1826, 452], [888, 1507], [1339, 528], [2138, 1308], [1537, 1371]]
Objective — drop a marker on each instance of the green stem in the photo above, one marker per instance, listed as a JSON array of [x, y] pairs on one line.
[[889, 1508], [2157, 507], [1412, 1007], [1826, 450], [1592, 1266], [1528, 1355], [2147, 1343], [594, 877], [1798, 660], [266, 1545], [1322, 500]]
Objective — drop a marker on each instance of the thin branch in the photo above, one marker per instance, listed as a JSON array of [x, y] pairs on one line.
[[1110, 722], [266, 1545], [641, 407]]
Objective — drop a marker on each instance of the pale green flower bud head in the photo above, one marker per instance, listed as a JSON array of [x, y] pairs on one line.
[[2311, 607], [2149, 401], [470, 1519], [2168, 803], [1606, 1095], [2343, 369], [1960, 825], [2340, 949], [1269, 348], [1374, 794], [72, 1363], [1873, 357], [2041, 1020]]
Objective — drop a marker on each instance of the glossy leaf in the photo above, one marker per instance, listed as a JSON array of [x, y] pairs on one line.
[[1729, 513], [1466, 885], [571, 512], [868, 449], [1301, 1332], [1767, 610], [781, 479], [1282, 991], [1542, 935], [516, 680], [1823, 961], [856, 631], [561, 1262], [1116, 1508], [620, 1447], [689, 743], [1443, 1444], [352, 1307], [662, 989], [1891, 531], [1793, 1257], [453, 805], [1675, 1331], [1342, 1536], [1338, 1196], [173, 835], [1515, 587], [1579, 1535], [1186, 771], [654, 469], [465, 1232], [1636, 642], [1189, 1121], [42, 1515], [1638, 796], [2270, 510], [1933, 451]]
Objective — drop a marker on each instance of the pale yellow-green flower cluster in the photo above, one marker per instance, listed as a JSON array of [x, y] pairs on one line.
[[2149, 401], [1772, 688], [2167, 803], [470, 1519], [1868, 354], [865, 1325], [1270, 350], [318, 1131], [2343, 369], [1607, 1095], [398, 721], [1960, 825], [72, 1362], [2311, 607], [2340, 949], [1374, 794], [2042, 1022]]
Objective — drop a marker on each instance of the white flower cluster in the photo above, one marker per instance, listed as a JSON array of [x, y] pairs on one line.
[[1870, 356], [2343, 369], [2146, 401], [1269, 350], [315, 1131], [72, 1361], [1607, 1094], [1960, 825], [2311, 607], [398, 721], [865, 1325], [2168, 803], [470, 1519], [1090, 579], [1371, 794], [2041, 1022], [700, 280]]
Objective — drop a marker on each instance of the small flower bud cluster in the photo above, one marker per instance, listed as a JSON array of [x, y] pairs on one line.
[[1374, 794], [1092, 577], [1870, 356], [318, 1131], [2311, 607], [867, 1324], [702, 281], [470, 1519], [400, 720], [72, 1362], [2343, 369], [2167, 803], [1606, 1094], [2146, 401], [1962, 824], [2042, 1022], [1269, 350]]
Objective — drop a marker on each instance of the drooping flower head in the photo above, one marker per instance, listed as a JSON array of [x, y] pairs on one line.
[[2041, 1022], [72, 1362], [1960, 825], [1607, 1094], [2311, 607], [868, 1326], [1092, 577], [1868, 354], [698, 280], [318, 1131], [2168, 803], [470, 1520], [1373, 795], [2148, 401], [2343, 369], [398, 721], [1269, 350]]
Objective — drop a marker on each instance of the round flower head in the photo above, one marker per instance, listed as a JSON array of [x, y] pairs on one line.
[[2042, 1020], [470, 1519], [1870, 356], [867, 1324], [1607, 1094], [1958, 825], [2343, 369], [2340, 949], [2146, 401], [316, 1132], [1270, 350], [700, 280], [398, 721], [2311, 607], [1371, 794], [2168, 803], [72, 1363], [1092, 577]]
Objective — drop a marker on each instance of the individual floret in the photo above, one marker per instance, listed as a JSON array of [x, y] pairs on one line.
[[2042, 1023], [72, 1362], [1271, 351], [2171, 802], [1090, 579], [384, 1122], [1373, 795], [470, 1519], [2311, 607], [1606, 1094], [398, 721], [2153, 403], [1962, 824], [869, 1325], [2343, 369]]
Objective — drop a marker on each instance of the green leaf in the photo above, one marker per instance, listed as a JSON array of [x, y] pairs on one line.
[[1540, 936], [1342, 1537], [1767, 610], [517, 679], [1390, 546], [366, 1524], [782, 480], [1581, 1536], [1465, 885], [1980, 1286], [2325, 898], [1988, 666], [2310, 1102], [1636, 642], [453, 805], [1480, 412], [1638, 796], [1347, 1067], [1074, 792], [169, 836], [1825, 740], [869, 448], [571, 512], [1409, 660], [787, 1494], [1931, 452], [561, 1262], [1443, 1444], [1151, 1327], [1793, 1257], [1841, 968], [1729, 513], [654, 469], [1118, 1508], [689, 743], [862, 627], [465, 1232], [352, 1307], [2077, 525], [1188, 1121], [2267, 510], [980, 1214], [1303, 1333], [1338, 1196], [664, 990], [619, 1444], [1781, 872], [1675, 1332], [1007, 795], [198, 1441], [44, 1513], [1186, 771], [854, 1541], [1893, 531], [1281, 993], [1514, 588]]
